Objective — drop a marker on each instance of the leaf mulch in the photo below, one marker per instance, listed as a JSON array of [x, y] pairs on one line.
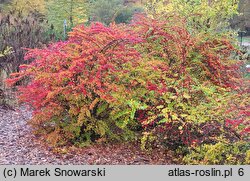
[[19, 146]]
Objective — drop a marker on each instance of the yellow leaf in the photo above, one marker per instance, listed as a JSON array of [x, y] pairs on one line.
[[92, 105], [185, 95], [88, 113], [175, 116], [180, 127], [184, 115], [160, 107]]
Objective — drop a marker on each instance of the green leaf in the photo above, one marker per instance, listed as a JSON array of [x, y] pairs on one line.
[[101, 128], [101, 108], [120, 114], [122, 123], [164, 120]]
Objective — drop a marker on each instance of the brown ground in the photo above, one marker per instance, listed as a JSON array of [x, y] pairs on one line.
[[19, 146]]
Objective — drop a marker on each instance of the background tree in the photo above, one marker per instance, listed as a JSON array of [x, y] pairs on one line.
[[112, 11], [202, 15], [26, 6], [242, 22], [73, 11], [3, 3]]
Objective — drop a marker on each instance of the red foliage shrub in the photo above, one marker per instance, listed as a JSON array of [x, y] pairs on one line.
[[152, 74], [69, 80]]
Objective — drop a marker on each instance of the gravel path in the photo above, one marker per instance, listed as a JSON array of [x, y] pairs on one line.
[[20, 147]]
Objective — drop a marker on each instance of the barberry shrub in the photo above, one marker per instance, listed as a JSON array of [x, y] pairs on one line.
[[73, 84], [220, 153], [152, 77], [192, 87]]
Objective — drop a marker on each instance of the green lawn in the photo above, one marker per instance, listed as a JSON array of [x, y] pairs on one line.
[[245, 39]]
